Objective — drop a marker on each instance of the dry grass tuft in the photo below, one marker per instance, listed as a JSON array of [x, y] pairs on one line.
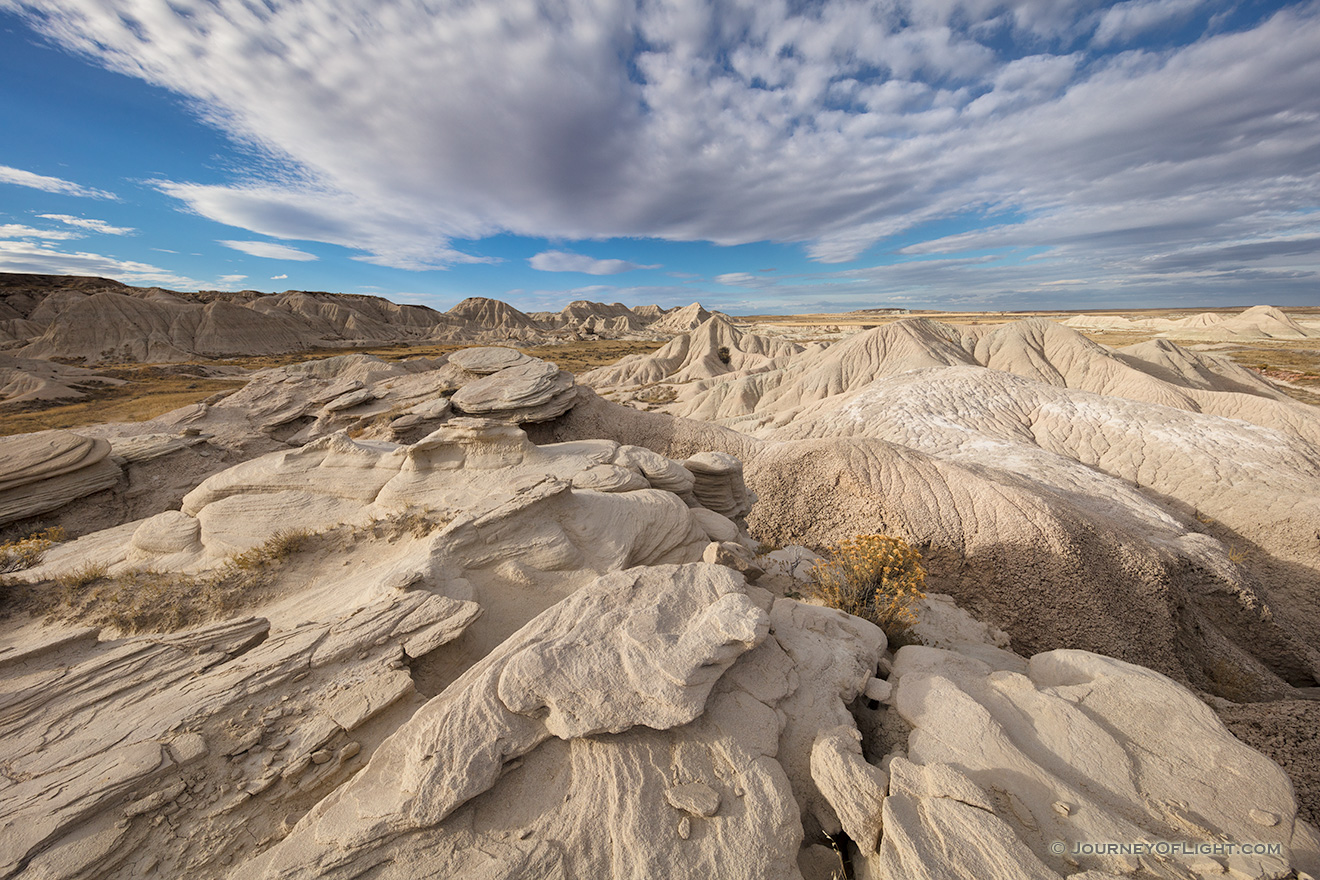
[[27, 552], [157, 601], [278, 547], [80, 578], [875, 577]]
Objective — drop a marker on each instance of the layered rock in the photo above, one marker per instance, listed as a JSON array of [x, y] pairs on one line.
[[44, 471], [385, 399], [99, 321], [178, 753], [530, 392]]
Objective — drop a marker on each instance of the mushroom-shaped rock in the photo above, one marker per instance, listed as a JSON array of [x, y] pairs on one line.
[[170, 532], [718, 483], [485, 360], [662, 473]]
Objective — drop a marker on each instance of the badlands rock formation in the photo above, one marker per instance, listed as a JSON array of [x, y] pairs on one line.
[[45, 471], [1030, 461], [1257, 322], [613, 321], [529, 634], [95, 320]]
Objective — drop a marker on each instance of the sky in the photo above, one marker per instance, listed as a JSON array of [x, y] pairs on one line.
[[758, 156]]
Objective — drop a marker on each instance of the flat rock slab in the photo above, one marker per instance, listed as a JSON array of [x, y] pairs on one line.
[[489, 359], [535, 391]]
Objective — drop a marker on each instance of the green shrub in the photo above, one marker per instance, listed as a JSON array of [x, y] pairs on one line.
[[874, 577]]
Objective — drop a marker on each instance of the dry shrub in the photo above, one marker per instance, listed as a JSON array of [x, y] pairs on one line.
[[27, 552], [874, 577]]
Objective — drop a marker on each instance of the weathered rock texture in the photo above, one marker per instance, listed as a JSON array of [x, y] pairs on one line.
[[1257, 322], [44, 471]]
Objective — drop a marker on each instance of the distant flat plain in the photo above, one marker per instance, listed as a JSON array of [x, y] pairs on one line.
[[150, 390]]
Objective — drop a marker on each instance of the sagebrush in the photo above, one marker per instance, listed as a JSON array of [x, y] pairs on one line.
[[27, 552], [875, 577]]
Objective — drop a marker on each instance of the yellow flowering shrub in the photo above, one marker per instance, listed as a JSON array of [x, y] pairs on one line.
[[27, 552], [875, 577]]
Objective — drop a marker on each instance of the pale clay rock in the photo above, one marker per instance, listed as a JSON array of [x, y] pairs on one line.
[[1090, 717], [531, 392], [735, 556], [696, 798], [484, 361]]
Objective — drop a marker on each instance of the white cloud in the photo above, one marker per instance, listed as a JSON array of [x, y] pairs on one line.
[[836, 124], [87, 223], [1124, 21], [562, 261], [18, 256], [741, 279], [17, 230], [270, 250], [229, 282], [19, 177], [278, 277]]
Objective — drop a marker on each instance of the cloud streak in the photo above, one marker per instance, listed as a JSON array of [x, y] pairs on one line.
[[88, 223], [40, 258], [18, 230], [32, 180], [270, 250], [563, 261]]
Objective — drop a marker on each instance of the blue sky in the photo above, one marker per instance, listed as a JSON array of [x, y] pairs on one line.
[[756, 155]]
